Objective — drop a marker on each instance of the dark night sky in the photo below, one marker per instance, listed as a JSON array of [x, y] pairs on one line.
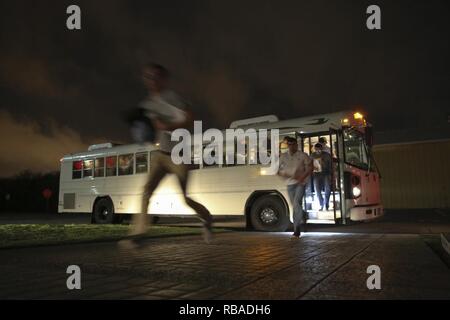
[[61, 90]]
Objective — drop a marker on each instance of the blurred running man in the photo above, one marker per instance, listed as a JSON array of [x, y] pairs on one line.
[[167, 112]]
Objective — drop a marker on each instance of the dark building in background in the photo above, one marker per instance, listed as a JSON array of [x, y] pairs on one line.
[[414, 166]]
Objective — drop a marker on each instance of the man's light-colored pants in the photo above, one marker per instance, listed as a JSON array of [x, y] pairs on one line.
[[296, 193], [160, 165]]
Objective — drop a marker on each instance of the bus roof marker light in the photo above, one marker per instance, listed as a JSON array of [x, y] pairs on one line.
[[358, 116]]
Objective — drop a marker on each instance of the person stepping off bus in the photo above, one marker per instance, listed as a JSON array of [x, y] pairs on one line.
[[167, 112], [296, 167], [322, 175]]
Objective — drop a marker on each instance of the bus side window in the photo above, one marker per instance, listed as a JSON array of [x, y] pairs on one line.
[[228, 158], [142, 162], [88, 166], [265, 149], [231, 159], [252, 154], [240, 159], [195, 159], [126, 164], [77, 167], [111, 166], [209, 152], [99, 167]]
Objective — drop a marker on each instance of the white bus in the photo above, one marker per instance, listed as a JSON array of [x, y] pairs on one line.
[[107, 181]]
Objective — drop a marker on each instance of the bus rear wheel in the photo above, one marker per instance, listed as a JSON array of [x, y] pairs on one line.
[[103, 212], [269, 213]]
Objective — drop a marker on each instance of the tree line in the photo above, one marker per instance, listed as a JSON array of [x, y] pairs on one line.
[[24, 192]]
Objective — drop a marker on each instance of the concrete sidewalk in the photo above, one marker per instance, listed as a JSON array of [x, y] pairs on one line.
[[237, 265]]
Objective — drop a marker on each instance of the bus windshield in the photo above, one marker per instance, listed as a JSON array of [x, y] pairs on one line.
[[356, 150]]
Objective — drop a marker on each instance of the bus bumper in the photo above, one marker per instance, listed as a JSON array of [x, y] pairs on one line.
[[366, 212]]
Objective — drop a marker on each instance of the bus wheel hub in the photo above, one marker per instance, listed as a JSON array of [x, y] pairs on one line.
[[268, 216]]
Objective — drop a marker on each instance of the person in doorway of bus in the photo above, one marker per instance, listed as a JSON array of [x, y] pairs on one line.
[[296, 167], [323, 142], [322, 175], [167, 112]]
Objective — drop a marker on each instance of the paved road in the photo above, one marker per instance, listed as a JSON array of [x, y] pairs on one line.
[[237, 265]]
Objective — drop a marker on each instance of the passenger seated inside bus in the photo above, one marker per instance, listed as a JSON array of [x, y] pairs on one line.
[[125, 164]]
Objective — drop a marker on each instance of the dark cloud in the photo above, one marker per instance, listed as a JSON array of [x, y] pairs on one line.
[[26, 146]]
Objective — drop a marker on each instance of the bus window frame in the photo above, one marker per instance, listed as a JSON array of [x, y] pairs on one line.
[[91, 169], [208, 166], [104, 168], [80, 171], [132, 166], [335, 160], [116, 166], [136, 163], [370, 166]]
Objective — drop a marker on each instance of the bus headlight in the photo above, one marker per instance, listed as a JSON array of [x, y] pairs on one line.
[[356, 192]]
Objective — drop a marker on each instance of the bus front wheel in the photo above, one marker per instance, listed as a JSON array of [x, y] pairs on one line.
[[103, 212], [269, 213]]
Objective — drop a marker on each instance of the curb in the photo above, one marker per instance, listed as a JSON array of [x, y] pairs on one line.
[[445, 243]]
